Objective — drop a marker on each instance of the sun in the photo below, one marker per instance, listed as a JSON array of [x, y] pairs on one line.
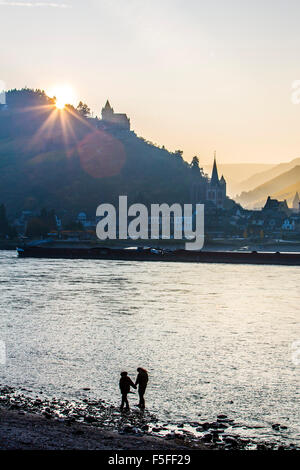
[[63, 94], [60, 103]]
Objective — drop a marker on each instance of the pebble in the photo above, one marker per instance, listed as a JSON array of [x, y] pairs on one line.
[[89, 419], [205, 426], [276, 427]]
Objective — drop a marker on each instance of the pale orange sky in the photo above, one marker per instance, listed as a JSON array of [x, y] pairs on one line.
[[192, 75]]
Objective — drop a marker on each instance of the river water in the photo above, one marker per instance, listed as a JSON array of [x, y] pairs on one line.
[[215, 338]]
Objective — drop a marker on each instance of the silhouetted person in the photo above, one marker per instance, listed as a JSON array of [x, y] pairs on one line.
[[141, 381], [125, 384]]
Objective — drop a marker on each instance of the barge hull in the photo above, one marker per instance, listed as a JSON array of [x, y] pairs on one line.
[[182, 256]]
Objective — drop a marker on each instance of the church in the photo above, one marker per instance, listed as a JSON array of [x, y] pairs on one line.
[[216, 188], [110, 117], [206, 190]]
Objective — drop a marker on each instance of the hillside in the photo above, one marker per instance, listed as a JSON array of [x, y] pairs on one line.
[[288, 193], [276, 186], [65, 161], [258, 179]]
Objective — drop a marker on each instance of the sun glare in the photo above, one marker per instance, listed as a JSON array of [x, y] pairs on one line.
[[63, 94]]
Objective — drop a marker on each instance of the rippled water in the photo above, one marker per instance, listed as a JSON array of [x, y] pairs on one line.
[[215, 338]]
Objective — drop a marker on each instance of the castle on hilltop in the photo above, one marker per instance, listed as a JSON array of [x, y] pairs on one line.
[[116, 119]]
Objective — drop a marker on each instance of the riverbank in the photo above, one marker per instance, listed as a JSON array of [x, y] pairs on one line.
[[36, 423], [27, 431], [28, 423]]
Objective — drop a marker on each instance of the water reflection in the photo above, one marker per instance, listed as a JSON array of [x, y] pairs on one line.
[[215, 338]]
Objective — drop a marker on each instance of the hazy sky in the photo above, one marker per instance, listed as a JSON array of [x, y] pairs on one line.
[[191, 74]]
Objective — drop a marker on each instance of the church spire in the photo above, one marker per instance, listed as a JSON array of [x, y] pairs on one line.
[[214, 175], [296, 201]]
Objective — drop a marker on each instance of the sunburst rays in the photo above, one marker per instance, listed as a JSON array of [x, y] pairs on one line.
[[100, 154]]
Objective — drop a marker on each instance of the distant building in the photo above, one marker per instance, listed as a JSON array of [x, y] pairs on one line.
[[273, 205], [110, 117], [83, 220], [216, 188], [296, 202]]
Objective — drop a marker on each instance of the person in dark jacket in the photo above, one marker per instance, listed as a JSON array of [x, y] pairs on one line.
[[125, 384], [142, 381]]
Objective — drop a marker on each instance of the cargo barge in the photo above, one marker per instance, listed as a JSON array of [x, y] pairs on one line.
[[151, 254]]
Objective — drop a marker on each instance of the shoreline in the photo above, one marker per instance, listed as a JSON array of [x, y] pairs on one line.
[[28, 431], [39, 423]]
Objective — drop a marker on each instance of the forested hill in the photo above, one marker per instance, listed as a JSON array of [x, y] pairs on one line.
[[64, 160]]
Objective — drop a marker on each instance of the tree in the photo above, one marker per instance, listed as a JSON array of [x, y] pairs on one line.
[[27, 97], [195, 163], [179, 154], [4, 226], [70, 108], [41, 225], [6, 230], [83, 109], [72, 225], [36, 228]]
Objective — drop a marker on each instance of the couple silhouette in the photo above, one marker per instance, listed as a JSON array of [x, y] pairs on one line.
[[126, 383]]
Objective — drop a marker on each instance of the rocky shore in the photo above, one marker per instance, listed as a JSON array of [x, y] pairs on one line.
[[30, 421]]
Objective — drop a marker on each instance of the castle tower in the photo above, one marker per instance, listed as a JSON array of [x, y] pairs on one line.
[[111, 118], [107, 112]]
